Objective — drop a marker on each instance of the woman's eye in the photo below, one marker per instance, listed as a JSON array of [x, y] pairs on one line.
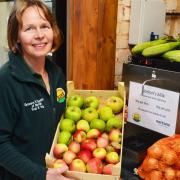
[[45, 27], [28, 29]]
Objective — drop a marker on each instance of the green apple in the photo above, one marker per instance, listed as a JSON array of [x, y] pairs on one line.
[[114, 122], [105, 113], [75, 100], [67, 125], [83, 125], [73, 112], [64, 137], [89, 114], [98, 124], [91, 101], [115, 103]]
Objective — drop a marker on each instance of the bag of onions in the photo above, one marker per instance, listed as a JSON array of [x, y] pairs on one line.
[[162, 161]]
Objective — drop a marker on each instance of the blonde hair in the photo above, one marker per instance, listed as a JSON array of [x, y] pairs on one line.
[[15, 21]]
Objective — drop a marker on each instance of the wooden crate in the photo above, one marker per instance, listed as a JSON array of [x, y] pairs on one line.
[[102, 95]]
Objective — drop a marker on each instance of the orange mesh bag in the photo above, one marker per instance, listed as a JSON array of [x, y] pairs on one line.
[[162, 161]]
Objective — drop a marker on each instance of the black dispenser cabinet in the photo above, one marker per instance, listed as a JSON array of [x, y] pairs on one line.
[[137, 139]]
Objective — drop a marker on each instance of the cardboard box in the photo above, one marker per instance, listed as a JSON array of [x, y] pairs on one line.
[[102, 95]]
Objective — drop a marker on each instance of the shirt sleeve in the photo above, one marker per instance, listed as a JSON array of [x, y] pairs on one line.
[[10, 158]]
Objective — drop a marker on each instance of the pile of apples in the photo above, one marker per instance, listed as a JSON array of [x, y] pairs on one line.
[[90, 135]]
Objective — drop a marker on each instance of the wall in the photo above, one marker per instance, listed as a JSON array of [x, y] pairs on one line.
[[4, 9], [122, 31]]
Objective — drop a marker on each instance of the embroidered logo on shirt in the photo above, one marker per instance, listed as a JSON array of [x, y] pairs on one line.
[[60, 95], [35, 105]]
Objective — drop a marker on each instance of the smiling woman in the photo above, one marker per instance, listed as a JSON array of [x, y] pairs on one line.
[[29, 83]]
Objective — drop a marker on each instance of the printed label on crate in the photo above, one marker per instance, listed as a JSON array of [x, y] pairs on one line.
[[153, 108]]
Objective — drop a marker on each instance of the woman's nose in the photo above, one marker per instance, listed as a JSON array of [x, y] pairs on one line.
[[39, 33]]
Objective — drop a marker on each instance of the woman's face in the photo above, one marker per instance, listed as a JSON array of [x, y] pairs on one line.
[[35, 35]]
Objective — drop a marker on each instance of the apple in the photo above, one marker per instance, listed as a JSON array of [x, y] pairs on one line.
[[110, 148], [85, 155], [64, 137], [116, 145], [91, 101], [79, 136], [58, 149], [77, 165], [93, 133], [115, 135], [73, 112], [105, 113], [89, 114], [98, 124], [102, 142], [114, 122], [99, 153], [68, 156], [75, 100], [74, 146], [107, 169], [112, 157], [115, 103], [88, 144], [94, 165], [105, 135], [59, 163], [67, 125], [82, 125]]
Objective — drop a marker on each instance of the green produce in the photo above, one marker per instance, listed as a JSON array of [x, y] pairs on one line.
[[64, 137], [114, 122], [173, 55], [73, 112], [75, 100], [105, 113], [98, 124], [67, 125], [137, 49], [89, 114], [159, 49]]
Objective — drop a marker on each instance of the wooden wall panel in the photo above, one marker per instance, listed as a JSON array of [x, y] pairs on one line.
[[92, 43]]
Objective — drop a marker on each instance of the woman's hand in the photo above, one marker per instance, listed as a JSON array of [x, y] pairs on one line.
[[56, 174]]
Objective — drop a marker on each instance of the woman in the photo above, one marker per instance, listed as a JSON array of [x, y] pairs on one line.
[[29, 83]]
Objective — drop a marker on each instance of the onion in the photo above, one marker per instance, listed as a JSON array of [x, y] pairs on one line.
[[176, 147], [169, 157], [155, 151], [178, 174], [155, 175], [142, 174], [162, 166], [150, 164], [170, 174]]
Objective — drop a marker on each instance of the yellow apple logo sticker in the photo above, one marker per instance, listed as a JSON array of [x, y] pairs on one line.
[[136, 117], [60, 95]]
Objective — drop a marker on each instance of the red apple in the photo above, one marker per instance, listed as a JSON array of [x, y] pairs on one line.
[[102, 142], [59, 163], [59, 149], [68, 156], [88, 144], [107, 169], [85, 155], [115, 135], [79, 136], [77, 165], [112, 157], [94, 166], [93, 133], [105, 135], [74, 146], [99, 153]]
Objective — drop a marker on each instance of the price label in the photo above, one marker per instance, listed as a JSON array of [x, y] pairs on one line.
[[153, 108]]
